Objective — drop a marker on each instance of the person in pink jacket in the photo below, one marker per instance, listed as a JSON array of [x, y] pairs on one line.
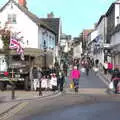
[[75, 75]]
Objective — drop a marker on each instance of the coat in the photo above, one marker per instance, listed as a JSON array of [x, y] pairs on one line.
[[75, 74], [115, 75]]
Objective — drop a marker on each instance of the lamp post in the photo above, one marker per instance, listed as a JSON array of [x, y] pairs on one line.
[[40, 90], [44, 54]]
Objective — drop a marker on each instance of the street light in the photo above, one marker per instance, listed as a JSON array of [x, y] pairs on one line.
[[44, 54], [40, 90]]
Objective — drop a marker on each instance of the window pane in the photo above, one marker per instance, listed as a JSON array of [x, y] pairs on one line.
[[12, 18]]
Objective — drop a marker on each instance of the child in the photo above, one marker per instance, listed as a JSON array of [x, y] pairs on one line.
[[44, 83], [54, 82]]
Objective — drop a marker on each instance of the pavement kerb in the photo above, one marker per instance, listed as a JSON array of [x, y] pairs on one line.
[[10, 108], [36, 97], [15, 103], [22, 98]]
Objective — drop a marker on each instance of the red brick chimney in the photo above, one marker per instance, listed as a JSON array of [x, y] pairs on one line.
[[22, 3], [50, 15]]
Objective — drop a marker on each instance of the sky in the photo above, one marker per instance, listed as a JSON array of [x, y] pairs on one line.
[[75, 15]]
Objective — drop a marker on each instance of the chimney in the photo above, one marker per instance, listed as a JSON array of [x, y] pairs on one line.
[[22, 3], [50, 15]]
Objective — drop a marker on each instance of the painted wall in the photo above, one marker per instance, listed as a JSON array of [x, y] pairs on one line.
[[28, 29], [77, 51], [117, 14], [115, 39]]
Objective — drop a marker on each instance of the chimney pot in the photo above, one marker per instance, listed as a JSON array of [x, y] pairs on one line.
[[22, 3]]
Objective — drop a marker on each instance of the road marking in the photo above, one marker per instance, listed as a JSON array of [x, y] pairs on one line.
[[103, 79], [13, 111]]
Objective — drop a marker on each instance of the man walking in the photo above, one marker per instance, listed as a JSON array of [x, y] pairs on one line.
[[60, 80]]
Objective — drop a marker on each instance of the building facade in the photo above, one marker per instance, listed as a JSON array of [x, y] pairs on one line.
[[37, 35]]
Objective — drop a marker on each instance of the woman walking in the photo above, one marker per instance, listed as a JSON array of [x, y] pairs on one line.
[[75, 75]]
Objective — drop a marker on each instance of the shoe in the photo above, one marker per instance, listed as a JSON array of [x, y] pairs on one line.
[[76, 89]]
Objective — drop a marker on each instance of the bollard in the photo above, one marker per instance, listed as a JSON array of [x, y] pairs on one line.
[[13, 92], [40, 90]]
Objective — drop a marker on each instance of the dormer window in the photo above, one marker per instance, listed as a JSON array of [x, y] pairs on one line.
[[12, 18]]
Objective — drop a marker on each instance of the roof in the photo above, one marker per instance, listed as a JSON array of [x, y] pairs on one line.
[[111, 7], [53, 23], [33, 17], [102, 17]]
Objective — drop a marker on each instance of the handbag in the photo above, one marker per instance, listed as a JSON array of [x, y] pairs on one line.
[[71, 85], [111, 86]]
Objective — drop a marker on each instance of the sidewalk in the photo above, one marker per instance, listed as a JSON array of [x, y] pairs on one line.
[[7, 104], [105, 78], [5, 96]]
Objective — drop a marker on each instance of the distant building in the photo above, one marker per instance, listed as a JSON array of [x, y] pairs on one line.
[[84, 35], [77, 48]]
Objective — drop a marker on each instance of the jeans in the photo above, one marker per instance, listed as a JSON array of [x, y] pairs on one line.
[[76, 83]]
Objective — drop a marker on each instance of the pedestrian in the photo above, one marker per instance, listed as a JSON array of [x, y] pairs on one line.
[[87, 67], [34, 76], [105, 67], [44, 82], [65, 67], [110, 67], [53, 82], [75, 75], [115, 78], [60, 80], [96, 62]]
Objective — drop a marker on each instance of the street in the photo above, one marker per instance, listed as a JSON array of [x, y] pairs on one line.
[[66, 106], [41, 49]]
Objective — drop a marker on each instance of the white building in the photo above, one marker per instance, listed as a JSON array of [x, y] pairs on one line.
[[36, 33], [77, 48], [91, 44], [101, 29], [113, 31]]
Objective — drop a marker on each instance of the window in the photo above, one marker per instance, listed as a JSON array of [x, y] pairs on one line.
[[12, 18]]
